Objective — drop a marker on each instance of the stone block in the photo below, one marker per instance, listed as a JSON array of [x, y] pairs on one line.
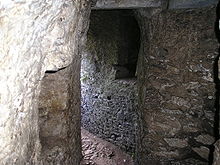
[[178, 4], [122, 4]]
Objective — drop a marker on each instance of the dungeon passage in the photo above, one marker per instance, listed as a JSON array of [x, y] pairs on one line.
[[148, 85], [108, 77], [161, 57]]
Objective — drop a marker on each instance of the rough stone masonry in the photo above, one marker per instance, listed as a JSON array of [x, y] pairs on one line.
[[176, 88], [108, 88]]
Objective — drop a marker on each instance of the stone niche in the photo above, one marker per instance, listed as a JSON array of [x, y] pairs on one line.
[[59, 121], [176, 84], [108, 77]]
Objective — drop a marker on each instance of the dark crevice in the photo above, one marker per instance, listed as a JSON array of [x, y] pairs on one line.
[[113, 43], [217, 86], [54, 71]]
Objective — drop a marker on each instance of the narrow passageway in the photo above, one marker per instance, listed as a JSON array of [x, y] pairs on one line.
[[147, 93], [159, 110], [97, 151], [109, 78]]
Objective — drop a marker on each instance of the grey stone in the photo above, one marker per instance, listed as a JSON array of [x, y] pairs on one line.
[[217, 153], [170, 46], [170, 4], [118, 4], [177, 4], [202, 151], [205, 139], [168, 154], [174, 142]]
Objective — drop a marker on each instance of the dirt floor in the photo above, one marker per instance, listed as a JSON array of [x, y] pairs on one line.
[[99, 152]]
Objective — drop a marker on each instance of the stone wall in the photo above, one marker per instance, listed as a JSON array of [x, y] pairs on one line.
[[165, 4], [35, 36], [109, 93], [176, 85], [53, 114], [175, 79], [59, 108], [55, 118]]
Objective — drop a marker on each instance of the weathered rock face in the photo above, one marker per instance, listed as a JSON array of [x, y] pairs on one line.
[[166, 4], [35, 36], [175, 4], [53, 117], [117, 4], [59, 109], [176, 85], [60, 140], [109, 92]]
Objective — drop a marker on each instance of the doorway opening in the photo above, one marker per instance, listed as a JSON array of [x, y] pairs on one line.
[[175, 89], [108, 77]]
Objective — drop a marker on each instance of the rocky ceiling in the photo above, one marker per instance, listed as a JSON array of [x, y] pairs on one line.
[[168, 4]]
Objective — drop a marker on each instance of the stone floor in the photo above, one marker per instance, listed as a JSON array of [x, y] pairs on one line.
[[96, 151], [99, 152]]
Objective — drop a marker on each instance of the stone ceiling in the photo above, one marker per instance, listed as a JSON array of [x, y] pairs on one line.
[[168, 4]]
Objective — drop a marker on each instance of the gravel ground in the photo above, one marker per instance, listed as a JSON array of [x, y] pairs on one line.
[[99, 152]]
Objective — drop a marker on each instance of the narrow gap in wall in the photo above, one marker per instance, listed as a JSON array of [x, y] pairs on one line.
[[54, 71], [108, 82], [217, 87]]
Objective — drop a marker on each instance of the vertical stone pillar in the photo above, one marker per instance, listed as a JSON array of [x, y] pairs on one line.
[[35, 36]]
